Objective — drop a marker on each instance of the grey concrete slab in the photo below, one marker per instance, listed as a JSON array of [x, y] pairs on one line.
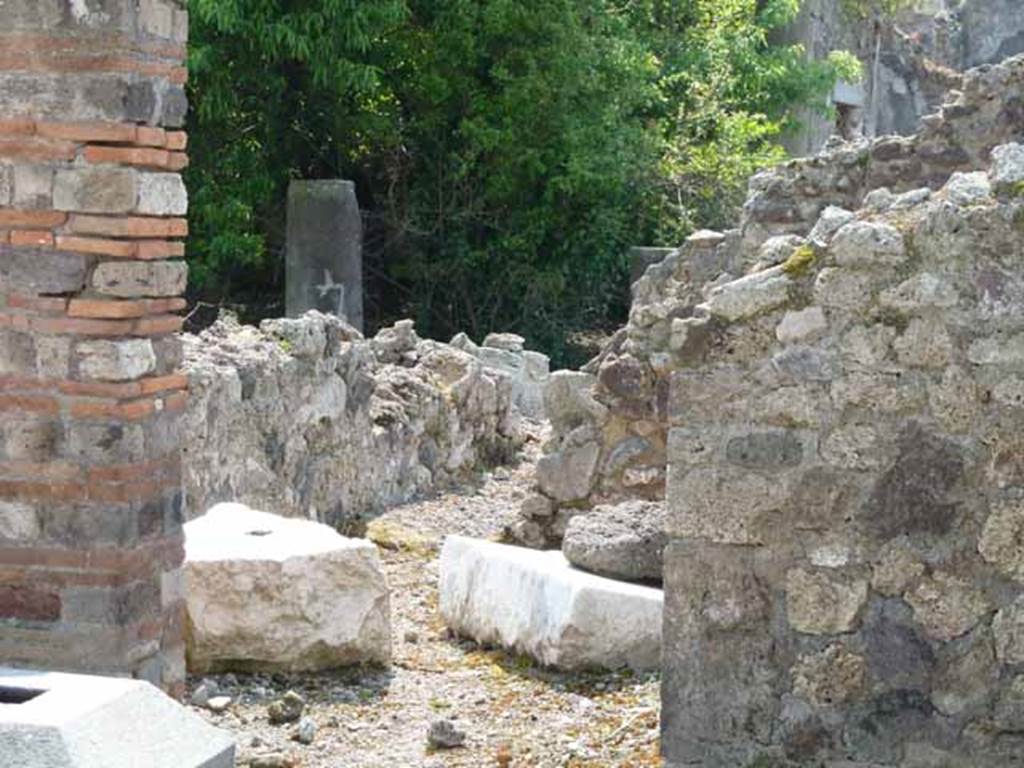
[[56, 720]]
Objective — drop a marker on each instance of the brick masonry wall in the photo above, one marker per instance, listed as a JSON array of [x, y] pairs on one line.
[[92, 224]]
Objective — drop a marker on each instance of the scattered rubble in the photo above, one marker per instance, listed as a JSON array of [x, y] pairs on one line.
[[624, 541], [443, 734]]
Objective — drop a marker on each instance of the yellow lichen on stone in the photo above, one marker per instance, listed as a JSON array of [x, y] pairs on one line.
[[800, 262]]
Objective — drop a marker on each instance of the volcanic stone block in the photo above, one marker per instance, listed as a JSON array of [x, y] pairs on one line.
[[52, 720], [324, 263]]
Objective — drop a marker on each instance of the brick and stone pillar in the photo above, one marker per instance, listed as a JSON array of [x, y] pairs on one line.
[[92, 220]]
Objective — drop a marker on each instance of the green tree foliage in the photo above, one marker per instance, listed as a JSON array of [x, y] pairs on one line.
[[506, 153]]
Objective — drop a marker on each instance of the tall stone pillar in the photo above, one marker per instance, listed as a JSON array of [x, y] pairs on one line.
[[92, 213], [324, 260]]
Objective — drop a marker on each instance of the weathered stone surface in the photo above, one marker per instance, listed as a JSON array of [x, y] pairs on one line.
[[569, 401], [1002, 540], [720, 669], [966, 677], [896, 570], [765, 450], [803, 326], [824, 602], [101, 189], [968, 188], [832, 219], [1008, 166], [1008, 630], [115, 360], [727, 506], [34, 187], [161, 194], [18, 522], [324, 264], [913, 496], [947, 606], [79, 721], [268, 593], [624, 541], [883, 555], [309, 419], [750, 295], [829, 677], [140, 279], [864, 243], [42, 272], [568, 475], [535, 603]]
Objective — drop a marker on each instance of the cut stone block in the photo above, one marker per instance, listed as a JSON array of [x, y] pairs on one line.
[[54, 720], [324, 261], [276, 594], [536, 603]]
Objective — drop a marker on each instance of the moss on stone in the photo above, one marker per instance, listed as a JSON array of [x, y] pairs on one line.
[[800, 262]]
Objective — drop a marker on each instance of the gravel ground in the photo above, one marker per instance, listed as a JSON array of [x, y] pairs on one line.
[[514, 714]]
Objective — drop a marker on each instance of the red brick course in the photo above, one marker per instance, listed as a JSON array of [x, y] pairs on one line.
[[82, 455]]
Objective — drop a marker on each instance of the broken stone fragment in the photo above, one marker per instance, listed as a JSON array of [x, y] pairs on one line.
[[443, 734], [287, 709], [568, 475], [750, 295], [1007, 171], [622, 541], [867, 243], [255, 594]]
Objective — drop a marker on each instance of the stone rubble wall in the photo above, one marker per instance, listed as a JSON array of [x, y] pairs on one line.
[[610, 420], [986, 112], [922, 54], [845, 578], [306, 418], [92, 210]]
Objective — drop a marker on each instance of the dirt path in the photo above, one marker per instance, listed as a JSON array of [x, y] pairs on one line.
[[515, 714]]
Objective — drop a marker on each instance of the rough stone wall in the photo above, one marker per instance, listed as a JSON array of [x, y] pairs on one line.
[[845, 580], [91, 221], [988, 111], [609, 421], [306, 418], [922, 53]]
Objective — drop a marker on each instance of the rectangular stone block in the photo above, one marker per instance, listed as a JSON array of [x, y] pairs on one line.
[[95, 190], [33, 186], [162, 194], [19, 523], [132, 279], [324, 262], [17, 353], [127, 723], [29, 437], [115, 360], [36, 272]]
